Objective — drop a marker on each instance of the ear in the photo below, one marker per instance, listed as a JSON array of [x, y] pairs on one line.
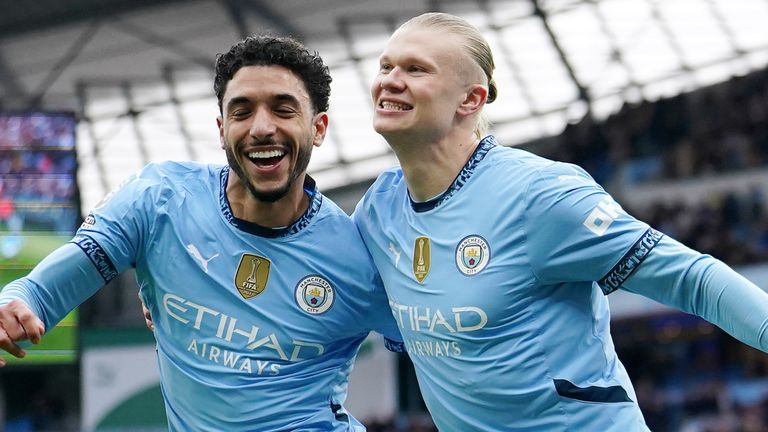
[[220, 125], [474, 100], [320, 125]]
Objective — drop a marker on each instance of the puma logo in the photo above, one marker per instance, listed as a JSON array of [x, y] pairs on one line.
[[196, 255], [395, 252]]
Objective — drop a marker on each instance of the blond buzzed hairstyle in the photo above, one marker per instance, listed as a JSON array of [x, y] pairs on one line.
[[475, 45]]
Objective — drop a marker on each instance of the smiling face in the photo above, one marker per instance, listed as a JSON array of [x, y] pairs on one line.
[[420, 85], [268, 129]]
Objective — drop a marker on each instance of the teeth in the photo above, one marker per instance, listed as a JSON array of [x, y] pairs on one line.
[[394, 106], [265, 154]]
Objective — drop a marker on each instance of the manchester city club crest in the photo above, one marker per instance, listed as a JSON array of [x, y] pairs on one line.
[[314, 294], [472, 255], [252, 275], [421, 258]]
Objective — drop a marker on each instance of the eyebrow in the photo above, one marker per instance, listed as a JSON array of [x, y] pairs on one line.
[[409, 57], [286, 97], [239, 100], [280, 97]]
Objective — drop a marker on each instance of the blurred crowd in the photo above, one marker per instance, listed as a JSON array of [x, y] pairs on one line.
[[715, 130], [692, 377], [37, 130], [732, 226]]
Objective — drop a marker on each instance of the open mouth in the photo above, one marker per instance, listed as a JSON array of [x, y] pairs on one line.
[[394, 106], [266, 158]]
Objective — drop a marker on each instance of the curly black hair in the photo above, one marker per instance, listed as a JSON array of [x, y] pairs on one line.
[[267, 50]]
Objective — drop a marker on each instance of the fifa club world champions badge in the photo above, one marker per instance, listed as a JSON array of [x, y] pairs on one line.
[[421, 258], [252, 275]]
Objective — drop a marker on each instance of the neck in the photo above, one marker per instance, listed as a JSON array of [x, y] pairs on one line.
[[431, 166], [278, 214]]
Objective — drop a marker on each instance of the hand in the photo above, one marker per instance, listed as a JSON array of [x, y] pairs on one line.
[[18, 323], [147, 317]]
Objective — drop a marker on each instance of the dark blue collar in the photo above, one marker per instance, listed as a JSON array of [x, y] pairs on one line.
[[486, 144], [316, 199]]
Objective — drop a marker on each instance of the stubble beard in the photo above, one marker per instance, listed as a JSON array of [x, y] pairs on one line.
[[270, 196]]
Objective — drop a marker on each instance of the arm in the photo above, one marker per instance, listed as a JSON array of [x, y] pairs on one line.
[[586, 228], [699, 284], [383, 320], [29, 305], [106, 244]]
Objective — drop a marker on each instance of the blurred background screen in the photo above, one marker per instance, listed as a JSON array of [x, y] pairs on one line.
[[39, 208]]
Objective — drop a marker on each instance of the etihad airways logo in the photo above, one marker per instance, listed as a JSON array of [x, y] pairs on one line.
[[233, 331], [432, 329], [426, 319]]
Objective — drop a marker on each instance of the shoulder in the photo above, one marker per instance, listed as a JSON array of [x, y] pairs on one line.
[[522, 161], [333, 221], [390, 179], [380, 197], [178, 176], [158, 182], [386, 185], [561, 177], [174, 170], [526, 169], [335, 228], [330, 210]]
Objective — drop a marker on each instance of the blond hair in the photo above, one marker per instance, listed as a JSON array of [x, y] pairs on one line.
[[475, 45]]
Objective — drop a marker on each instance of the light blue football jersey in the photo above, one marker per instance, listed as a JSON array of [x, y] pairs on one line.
[[256, 328], [498, 286]]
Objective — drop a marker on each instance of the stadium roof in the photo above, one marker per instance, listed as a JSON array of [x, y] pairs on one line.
[[138, 72]]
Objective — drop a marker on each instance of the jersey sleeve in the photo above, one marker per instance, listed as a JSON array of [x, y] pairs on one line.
[[385, 323], [59, 283], [577, 232], [106, 244], [702, 285], [359, 221], [116, 230]]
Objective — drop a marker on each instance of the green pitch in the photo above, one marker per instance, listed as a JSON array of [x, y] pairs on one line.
[[18, 255]]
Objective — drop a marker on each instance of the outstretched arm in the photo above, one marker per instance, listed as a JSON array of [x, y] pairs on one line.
[[702, 285]]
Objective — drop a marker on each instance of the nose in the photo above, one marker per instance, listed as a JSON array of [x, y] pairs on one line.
[[392, 80], [263, 124]]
